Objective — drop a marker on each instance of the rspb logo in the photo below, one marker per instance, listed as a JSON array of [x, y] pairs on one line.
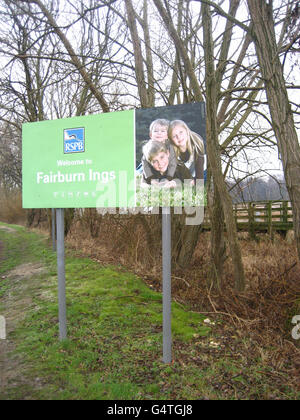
[[74, 140]]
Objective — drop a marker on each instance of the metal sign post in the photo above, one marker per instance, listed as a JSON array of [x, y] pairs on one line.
[[62, 311], [53, 230], [166, 255]]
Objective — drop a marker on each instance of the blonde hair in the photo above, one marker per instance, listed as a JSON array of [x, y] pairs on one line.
[[152, 148], [195, 142], [160, 121]]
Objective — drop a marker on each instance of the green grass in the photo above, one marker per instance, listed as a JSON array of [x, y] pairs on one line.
[[183, 195], [114, 345]]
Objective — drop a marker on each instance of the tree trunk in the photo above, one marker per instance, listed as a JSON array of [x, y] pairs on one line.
[[138, 56], [69, 216], [187, 243], [217, 240], [149, 60], [181, 48], [278, 101], [213, 150]]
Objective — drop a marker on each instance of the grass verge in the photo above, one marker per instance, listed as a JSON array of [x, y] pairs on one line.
[[114, 346]]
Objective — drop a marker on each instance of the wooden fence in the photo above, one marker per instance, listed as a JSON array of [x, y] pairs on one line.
[[262, 216]]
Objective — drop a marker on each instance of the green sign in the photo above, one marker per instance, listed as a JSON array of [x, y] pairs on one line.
[[140, 158], [84, 161]]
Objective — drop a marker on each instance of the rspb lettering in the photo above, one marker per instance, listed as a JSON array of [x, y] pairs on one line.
[[74, 140]]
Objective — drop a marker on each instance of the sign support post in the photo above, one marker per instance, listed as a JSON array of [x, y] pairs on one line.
[[53, 230], [166, 255], [62, 309]]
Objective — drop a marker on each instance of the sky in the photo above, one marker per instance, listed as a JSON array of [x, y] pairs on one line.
[[269, 159]]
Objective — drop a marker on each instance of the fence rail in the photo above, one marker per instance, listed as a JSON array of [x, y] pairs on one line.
[[262, 216]]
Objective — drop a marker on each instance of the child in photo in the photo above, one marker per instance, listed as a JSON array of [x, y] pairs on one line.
[[158, 132], [157, 155], [189, 148]]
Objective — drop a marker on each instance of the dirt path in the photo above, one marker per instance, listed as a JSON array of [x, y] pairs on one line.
[[4, 344], [14, 305], [7, 229], [1, 248]]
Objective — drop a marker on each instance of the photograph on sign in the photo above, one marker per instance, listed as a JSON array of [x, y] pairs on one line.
[[127, 159], [170, 155]]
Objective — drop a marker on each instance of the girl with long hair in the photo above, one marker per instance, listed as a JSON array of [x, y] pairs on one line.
[[189, 147]]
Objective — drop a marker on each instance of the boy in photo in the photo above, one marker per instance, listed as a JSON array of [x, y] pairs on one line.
[[157, 155], [158, 132]]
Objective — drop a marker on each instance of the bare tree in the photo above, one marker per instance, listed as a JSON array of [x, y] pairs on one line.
[[198, 96], [213, 84], [211, 81], [138, 56], [264, 37], [123, 58], [72, 54]]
